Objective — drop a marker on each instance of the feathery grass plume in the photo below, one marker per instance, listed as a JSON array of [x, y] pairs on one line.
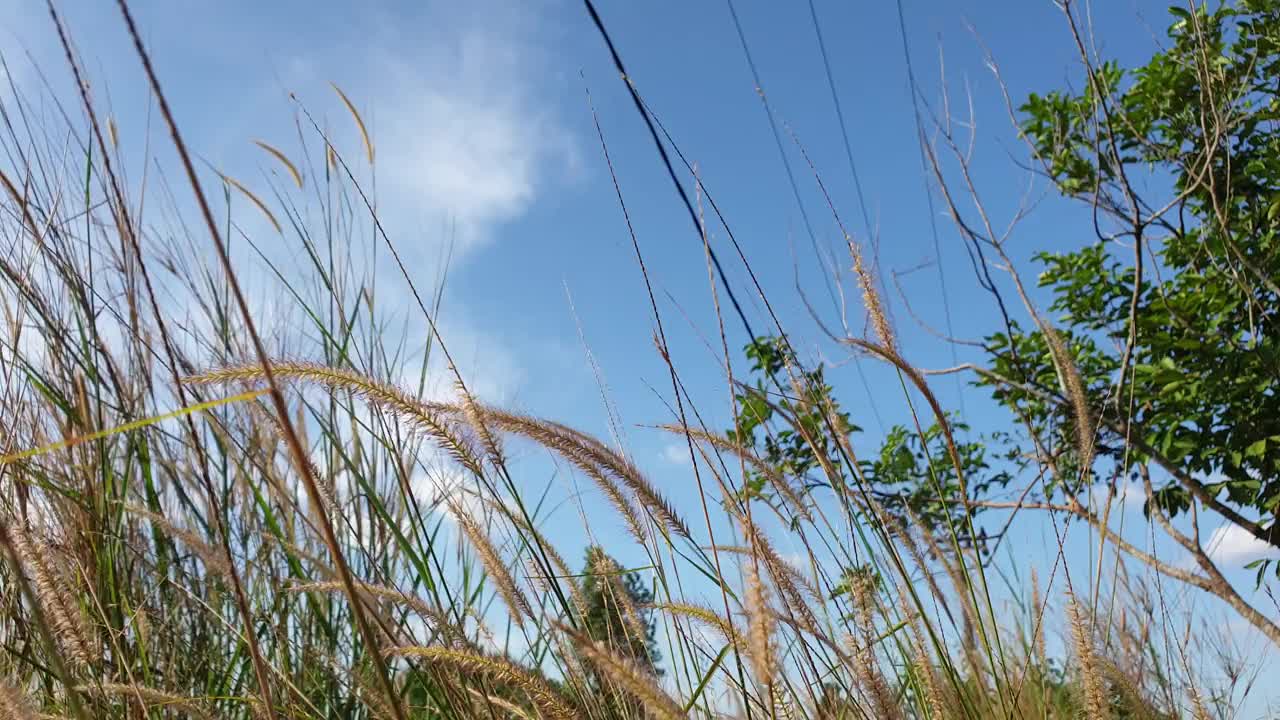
[[1198, 709], [866, 666], [284, 160], [579, 448], [580, 455], [506, 706], [549, 702], [1038, 612], [427, 416], [557, 560], [870, 681], [798, 584], [782, 704], [608, 569], [372, 697], [148, 697], [1130, 696], [560, 437], [84, 416], [319, 565], [941, 600], [140, 620], [214, 560], [493, 564], [1073, 387], [612, 490], [253, 199], [393, 633], [922, 661], [438, 621], [571, 666], [934, 709], [364, 133], [257, 708], [14, 704], [324, 480], [1091, 676], [56, 600], [704, 616], [871, 299], [537, 574], [628, 676], [760, 649], [538, 577], [630, 476], [479, 425], [775, 478], [955, 570], [787, 579]]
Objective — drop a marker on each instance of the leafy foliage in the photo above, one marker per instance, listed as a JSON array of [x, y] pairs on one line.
[[802, 443], [911, 474], [1171, 320]]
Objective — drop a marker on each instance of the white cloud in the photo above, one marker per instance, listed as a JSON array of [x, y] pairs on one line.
[[466, 141], [1131, 493], [456, 99], [1232, 545], [463, 155], [462, 125], [676, 453]]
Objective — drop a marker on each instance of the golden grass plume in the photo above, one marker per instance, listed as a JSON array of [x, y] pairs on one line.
[[549, 702]]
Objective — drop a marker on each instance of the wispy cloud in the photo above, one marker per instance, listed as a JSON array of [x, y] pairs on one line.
[[1233, 546], [458, 106], [474, 153], [467, 139], [676, 453], [1131, 493]]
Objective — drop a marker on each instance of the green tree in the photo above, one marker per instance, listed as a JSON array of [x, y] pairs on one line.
[[799, 436], [1156, 363], [619, 613]]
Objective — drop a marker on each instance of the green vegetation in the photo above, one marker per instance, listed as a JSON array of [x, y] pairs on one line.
[[1169, 316], [192, 525]]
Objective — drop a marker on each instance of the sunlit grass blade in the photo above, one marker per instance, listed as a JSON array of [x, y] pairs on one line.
[[129, 426]]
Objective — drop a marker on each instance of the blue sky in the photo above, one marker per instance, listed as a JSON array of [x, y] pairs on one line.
[[481, 124]]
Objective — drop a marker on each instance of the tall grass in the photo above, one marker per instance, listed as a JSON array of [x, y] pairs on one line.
[[282, 556]]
